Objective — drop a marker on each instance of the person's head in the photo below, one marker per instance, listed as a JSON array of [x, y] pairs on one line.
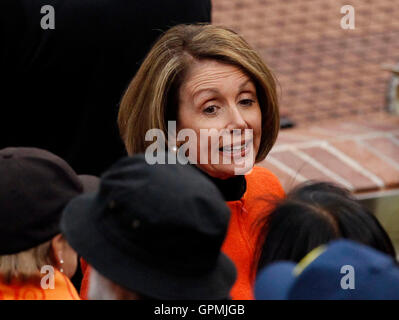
[[313, 214], [340, 270], [102, 288], [203, 77], [152, 231], [27, 265], [35, 186]]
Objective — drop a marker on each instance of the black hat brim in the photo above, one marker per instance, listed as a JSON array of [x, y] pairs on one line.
[[79, 227]]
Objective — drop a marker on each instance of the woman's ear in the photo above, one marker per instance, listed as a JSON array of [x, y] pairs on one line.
[[57, 247], [65, 258]]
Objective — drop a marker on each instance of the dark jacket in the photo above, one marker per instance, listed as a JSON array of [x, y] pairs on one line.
[[60, 88]]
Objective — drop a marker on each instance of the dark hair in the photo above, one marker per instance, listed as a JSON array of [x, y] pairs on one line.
[[313, 214]]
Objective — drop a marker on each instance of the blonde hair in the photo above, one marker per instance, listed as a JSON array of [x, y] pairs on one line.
[[26, 265], [152, 96]]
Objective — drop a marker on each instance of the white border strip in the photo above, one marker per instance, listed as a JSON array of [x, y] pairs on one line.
[[323, 169], [286, 146], [380, 155], [353, 164], [278, 164], [394, 140], [377, 194]]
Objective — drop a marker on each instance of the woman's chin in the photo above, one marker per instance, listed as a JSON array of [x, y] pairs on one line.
[[225, 171]]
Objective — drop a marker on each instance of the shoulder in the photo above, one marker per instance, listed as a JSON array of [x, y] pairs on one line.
[[262, 181]]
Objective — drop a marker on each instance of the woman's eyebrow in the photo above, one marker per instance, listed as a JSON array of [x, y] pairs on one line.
[[199, 92]]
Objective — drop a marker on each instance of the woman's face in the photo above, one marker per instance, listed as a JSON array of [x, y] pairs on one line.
[[222, 97]]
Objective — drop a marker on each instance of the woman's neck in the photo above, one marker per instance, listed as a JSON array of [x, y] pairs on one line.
[[232, 188]]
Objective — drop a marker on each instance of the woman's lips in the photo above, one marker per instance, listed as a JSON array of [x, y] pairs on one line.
[[233, 151]]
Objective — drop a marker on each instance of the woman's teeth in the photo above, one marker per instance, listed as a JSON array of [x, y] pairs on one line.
[[232, 149]]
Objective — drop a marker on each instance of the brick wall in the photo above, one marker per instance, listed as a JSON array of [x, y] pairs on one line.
[[325, 72]]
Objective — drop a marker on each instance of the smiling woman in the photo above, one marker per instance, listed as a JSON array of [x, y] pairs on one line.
[[220, 96], [206, 77]]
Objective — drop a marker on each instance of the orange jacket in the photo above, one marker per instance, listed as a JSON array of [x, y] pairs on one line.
[[239, 245], [63, 290], [263, 188]]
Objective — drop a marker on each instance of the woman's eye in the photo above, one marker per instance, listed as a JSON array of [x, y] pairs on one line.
[[247, 102], [210, 110]]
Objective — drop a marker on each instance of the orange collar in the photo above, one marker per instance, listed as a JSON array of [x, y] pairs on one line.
[[63, 290]]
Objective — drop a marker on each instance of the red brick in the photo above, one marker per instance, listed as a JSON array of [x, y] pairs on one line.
[[300, 166], [370, 161], [386, 146], [359, 181]]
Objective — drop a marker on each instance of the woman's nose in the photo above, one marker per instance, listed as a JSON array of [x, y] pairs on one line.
[[236, 120]]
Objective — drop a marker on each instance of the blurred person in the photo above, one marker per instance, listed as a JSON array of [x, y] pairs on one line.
[[152, 232], [35, 186], [312, 214], [61, 87], [208, 77], [341, 270]]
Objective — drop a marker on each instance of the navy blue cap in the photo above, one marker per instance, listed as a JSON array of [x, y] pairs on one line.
[[343, 270]]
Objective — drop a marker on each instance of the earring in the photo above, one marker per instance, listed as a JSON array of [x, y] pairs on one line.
[[61, 262]]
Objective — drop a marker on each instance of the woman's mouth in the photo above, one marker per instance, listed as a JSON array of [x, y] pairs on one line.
[[237, 150]]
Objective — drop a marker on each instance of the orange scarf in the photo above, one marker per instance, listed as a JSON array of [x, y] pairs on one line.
[[63, 290], [263, 189]]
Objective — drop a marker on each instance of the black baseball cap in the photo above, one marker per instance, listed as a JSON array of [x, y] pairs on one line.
[[156, 230], [35, 186]]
